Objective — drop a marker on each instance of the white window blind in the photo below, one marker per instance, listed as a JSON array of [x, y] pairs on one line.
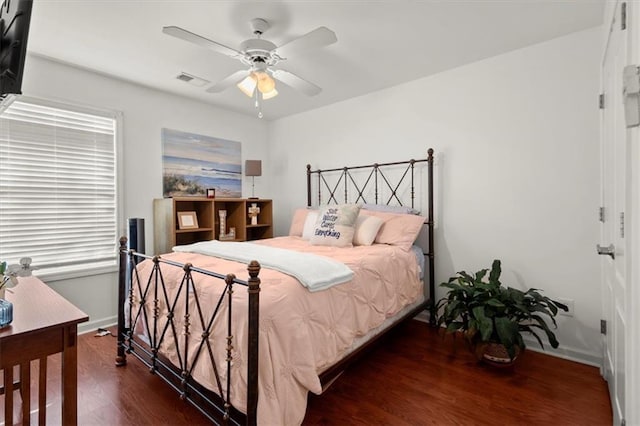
[[57, 187]]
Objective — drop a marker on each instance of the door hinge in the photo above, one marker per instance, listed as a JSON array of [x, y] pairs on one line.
[[622, 225], [631, 92], [601, 214], [623, 422], [601, 101], [623, 16], [603, 327]]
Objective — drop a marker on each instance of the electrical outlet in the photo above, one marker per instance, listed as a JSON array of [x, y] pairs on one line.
[[570, 305]]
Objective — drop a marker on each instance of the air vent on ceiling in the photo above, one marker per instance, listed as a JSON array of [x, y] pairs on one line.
[[192, 79]]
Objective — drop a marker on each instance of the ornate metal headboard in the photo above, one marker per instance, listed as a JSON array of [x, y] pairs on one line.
[[378, 187]]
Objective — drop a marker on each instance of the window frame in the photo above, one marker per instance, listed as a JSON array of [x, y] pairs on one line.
[[96, 268]]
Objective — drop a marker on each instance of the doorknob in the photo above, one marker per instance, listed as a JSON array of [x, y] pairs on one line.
[[609, 250]]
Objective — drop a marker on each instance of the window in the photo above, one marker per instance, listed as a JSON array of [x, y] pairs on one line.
[[58, 201]]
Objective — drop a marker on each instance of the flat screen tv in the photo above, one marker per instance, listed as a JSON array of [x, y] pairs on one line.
[[15, 16]]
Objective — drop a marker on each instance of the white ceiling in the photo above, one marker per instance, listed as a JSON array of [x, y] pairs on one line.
[[380, 43]]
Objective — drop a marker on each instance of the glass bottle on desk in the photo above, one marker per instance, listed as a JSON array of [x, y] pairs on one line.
[[9, 278], [6, 313]]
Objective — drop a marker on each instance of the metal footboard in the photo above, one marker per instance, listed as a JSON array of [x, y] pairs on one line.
[[150, 317]]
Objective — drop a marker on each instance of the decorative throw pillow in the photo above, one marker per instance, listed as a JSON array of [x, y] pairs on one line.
[[335, 225], [309, 224], [367, 228], [297, 223], [398, 229]]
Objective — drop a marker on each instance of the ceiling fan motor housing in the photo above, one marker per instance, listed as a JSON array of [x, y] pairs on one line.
[[259, 50], [257, 47]]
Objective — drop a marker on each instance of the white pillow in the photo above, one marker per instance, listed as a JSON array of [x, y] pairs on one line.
[[367, 228], [309, 224], [335, 225]]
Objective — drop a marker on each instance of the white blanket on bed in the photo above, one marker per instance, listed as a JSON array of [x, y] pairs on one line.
[[313, 271]]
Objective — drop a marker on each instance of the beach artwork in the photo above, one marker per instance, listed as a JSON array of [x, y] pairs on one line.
[[194, 163]]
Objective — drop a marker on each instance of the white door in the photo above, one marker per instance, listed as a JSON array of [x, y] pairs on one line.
[[615, 137]]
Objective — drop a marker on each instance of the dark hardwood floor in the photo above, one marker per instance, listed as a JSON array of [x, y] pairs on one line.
[[417, 377], [414, 377]]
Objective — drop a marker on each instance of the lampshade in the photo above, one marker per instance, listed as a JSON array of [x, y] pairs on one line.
[[248, 85], [263, 81], [253, 168], [269, 95]]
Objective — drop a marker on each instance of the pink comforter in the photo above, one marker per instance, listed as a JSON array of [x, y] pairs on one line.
[[301, 333]]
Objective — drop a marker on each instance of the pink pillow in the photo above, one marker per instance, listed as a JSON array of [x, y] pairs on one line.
[[297, 223], [398, 229], [367, 228]]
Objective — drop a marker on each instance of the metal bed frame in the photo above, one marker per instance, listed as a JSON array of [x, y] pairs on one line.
[[216, 406]]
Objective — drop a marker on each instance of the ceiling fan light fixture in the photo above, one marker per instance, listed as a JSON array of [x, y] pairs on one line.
[[248, 85], [268, 95]]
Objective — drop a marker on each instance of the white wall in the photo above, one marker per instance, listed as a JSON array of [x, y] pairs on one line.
[[146, 112], [516, 141]]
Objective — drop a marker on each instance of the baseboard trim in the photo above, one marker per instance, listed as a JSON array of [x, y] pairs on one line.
[[422, 316], [571, 354], [92, 326]]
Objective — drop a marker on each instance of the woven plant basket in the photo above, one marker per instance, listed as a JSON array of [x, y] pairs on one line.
[[496, 354]]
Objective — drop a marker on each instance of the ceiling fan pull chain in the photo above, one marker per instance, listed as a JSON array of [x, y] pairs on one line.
[[258, 103]]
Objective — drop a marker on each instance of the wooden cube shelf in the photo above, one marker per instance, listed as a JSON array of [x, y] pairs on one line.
[[168, 234]]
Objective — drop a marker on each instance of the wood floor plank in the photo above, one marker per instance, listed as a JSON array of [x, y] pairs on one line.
[[414, 377]]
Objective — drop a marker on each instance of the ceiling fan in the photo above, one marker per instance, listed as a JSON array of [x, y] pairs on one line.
[[261, 56]]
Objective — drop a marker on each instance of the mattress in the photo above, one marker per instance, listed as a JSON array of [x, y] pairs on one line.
[[419, 254]]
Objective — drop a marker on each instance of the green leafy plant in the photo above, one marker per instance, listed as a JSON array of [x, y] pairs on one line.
[[488, 312]]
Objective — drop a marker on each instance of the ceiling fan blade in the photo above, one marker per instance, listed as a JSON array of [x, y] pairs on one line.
[[229, 81], [200, 41], [296, 82], [321, 36]]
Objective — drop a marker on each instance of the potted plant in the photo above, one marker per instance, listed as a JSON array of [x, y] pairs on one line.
[[493, 317], [7, 275]]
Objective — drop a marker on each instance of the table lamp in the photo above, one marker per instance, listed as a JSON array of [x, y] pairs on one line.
[[253, 168]]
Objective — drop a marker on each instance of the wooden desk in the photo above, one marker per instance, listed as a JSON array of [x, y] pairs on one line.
[[44, 323]]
